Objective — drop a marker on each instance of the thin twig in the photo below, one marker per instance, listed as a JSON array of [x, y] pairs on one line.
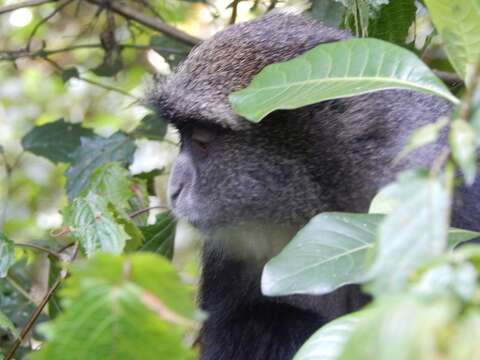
[[108, 87], [144, 210], [39, 248], [44, 20], [233, 17], [38, 310], [31, 3], [272, 5], [148, 21], [20, 289]]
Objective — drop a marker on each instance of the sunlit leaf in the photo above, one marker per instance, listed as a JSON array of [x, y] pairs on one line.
[[330, 251], [414, 232], [7, 255], [458, 22], [335, 70], [93, 153], [56, 141], [463, 144], [92, 224], [107, 300]]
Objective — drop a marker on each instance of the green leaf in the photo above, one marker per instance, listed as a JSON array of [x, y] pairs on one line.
[[463, 144], [56, 141], [159, 236], [70, 73], [458, 22], [424, 135], [6, 324], [152, 127], [92, 224], [108, 312], [458, 236], [93, 153], [330, 12], [413, 233], [328, 342], [393, 21], [462, 346], [113, 182], [401, 328], [330, 251], [7, 255], [335, 70]]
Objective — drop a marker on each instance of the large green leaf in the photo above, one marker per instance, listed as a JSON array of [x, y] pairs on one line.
[[56, 141], [92, 224], [327, 343], [413, 233], [335, 70], [93, 153], [7, 255], [393, 21], [330, 251], [458, 22], [159, 236], [108, 312]]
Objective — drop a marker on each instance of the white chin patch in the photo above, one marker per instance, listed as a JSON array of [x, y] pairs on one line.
[[254, 242]]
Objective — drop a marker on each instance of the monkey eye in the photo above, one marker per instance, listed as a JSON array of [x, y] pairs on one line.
[[202, 137]]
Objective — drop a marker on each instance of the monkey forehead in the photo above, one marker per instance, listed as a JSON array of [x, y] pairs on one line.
[[227, 62]]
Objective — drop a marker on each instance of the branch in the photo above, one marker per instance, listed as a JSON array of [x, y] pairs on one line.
[[233, 17], [148, 21], [31, 3]]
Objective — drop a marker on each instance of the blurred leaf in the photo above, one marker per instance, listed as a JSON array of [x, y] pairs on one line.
[[335, 70], [414, 232], [70, 73], [462, 143], [330, 251], [330, 12], [159, 236], [458, 236], [5, 323], [56, 141], [54, 306], [108, 311], [393, 21], [149, 178], [152, 127], [7, 255], [172, 50], [92, 224], [462, 346], [401, 328], [108, 70], [328, 342], [458, 22], [93, 153], [424, 135]]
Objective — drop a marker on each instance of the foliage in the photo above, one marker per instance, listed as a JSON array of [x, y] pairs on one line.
[[72, 133]]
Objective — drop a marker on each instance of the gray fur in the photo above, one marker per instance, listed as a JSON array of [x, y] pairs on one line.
[[331, 156]]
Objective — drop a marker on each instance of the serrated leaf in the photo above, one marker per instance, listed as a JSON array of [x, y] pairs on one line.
[[462, 139], [159, 236], [458, 23], [393, 21], [92, 224], [106, 315], [413, 233], [151, 127], [6, 324], [7, 255], [93, 153], [335, 70], [56, 141], [330, 251], [327, 343]]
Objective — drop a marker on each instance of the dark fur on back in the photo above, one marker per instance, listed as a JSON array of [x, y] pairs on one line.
[[330, 156]]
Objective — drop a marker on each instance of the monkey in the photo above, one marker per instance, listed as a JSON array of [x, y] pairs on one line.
[[248, 188]]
